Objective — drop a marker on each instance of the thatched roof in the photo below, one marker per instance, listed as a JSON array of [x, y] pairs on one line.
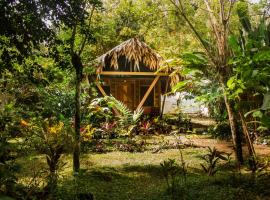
[[131, 55]]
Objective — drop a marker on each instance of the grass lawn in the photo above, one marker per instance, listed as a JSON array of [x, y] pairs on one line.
[[118, 175]]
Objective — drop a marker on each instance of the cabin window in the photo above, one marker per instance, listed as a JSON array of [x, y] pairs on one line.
[[150, 99]]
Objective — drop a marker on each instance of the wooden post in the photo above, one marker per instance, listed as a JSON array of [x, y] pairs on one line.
[[103, 93], [101, 89], [164, 98], [148, 92]]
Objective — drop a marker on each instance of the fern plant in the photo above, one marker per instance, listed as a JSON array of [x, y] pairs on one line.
[[127, 119]]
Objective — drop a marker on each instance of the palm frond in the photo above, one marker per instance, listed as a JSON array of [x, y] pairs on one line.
[[135, 51]]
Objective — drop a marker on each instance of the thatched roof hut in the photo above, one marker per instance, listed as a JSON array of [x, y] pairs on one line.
[[129, 73], [132, 55]]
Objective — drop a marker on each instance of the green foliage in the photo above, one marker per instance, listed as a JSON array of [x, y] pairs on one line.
[[250, 62], [191, 72], [243, 13], [212, 158], [111, 117], [23, 29], [43, 41], [9, 150], [50, 137], [195, 59], [262, 117], [175, 175], [127, 119], [170, 171], [221, 130], [180, 86], [99, 112], [58, 101]]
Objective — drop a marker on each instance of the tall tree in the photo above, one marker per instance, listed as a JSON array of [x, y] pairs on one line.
[[28, 24], [76, 19], [217, 51]]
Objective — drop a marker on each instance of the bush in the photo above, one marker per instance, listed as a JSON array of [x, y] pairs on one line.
[[211, 159], [9, 151], [50, 137], [221, 131]]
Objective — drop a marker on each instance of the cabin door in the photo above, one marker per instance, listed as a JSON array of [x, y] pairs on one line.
[[125, 93]]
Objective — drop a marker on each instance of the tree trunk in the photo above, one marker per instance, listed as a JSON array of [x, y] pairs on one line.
[[233, 124], [237, 143], [77, 64], [251, 150]]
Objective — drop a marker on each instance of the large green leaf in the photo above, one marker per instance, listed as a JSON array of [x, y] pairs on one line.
[[261, 56], [231, 83], [266, 101], [266, 121], [258, 114], [234, 45], [179, 86], [195, 58], [191, 72]]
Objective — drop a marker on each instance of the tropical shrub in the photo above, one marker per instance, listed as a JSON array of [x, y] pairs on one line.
[[160, 126], [181, 121], [145, 127], [170, 170], [50, 137], [107, 130], [127, 120], [175, 176], [154, 125], [111, 116], [211, 160], [221, 131], [9, 150], [99, 112]]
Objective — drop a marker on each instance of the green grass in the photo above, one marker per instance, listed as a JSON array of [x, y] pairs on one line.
[[122, 175]]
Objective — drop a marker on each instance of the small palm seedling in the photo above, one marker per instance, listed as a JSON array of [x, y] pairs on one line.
[[260, 167], [170, 170], [211, 160]]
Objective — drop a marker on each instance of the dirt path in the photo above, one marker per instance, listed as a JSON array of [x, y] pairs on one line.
[[261, 150], [226, 146]]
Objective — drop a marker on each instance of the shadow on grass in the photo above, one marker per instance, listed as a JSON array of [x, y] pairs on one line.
[[152, 170], [138, 182], [116, 184], [147, 182]]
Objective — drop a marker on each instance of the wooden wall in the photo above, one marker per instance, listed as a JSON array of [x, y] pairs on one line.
[[129, 89]]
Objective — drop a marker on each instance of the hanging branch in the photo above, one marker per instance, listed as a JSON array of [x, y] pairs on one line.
[[73, 35], [88, 27], [198, 36], [230, 10], [215, 26]]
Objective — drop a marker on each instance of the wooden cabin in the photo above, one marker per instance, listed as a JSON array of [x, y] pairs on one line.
[[129, 73]]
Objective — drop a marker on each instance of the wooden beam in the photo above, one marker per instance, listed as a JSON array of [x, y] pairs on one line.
[[164, 98], [148, 92], [104, 94], [115, 73], [100, 89]]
